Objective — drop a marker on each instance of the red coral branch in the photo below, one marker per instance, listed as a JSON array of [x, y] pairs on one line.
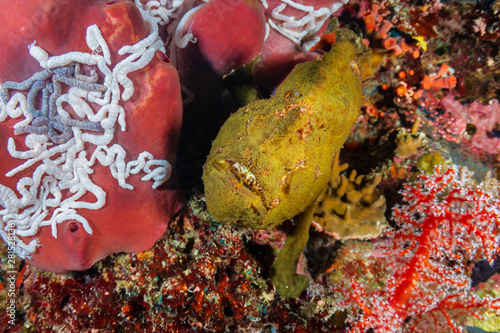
[[444, 225]]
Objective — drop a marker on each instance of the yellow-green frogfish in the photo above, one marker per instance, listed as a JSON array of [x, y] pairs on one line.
[[272, 159]]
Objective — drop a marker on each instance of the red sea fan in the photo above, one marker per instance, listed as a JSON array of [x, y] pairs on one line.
[[416, 278]]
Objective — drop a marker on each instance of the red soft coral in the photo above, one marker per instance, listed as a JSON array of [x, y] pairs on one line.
[[446, 223]]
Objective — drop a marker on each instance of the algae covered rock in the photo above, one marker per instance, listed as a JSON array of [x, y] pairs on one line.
[[272, 159]]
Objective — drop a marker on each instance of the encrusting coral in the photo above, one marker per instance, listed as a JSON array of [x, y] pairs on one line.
[[351, 207], [408, 143]]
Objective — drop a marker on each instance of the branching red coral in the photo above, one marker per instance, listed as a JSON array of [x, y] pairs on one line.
[[446, 223]]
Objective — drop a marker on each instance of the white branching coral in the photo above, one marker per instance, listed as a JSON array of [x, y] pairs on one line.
[[62, 166]]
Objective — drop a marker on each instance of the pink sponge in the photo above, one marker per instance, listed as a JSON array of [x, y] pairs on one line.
[[88, 143]]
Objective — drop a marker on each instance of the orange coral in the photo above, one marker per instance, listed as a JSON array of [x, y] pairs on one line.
[[437, 81]]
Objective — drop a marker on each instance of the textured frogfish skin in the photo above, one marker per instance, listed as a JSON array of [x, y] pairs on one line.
[[272, 158]]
